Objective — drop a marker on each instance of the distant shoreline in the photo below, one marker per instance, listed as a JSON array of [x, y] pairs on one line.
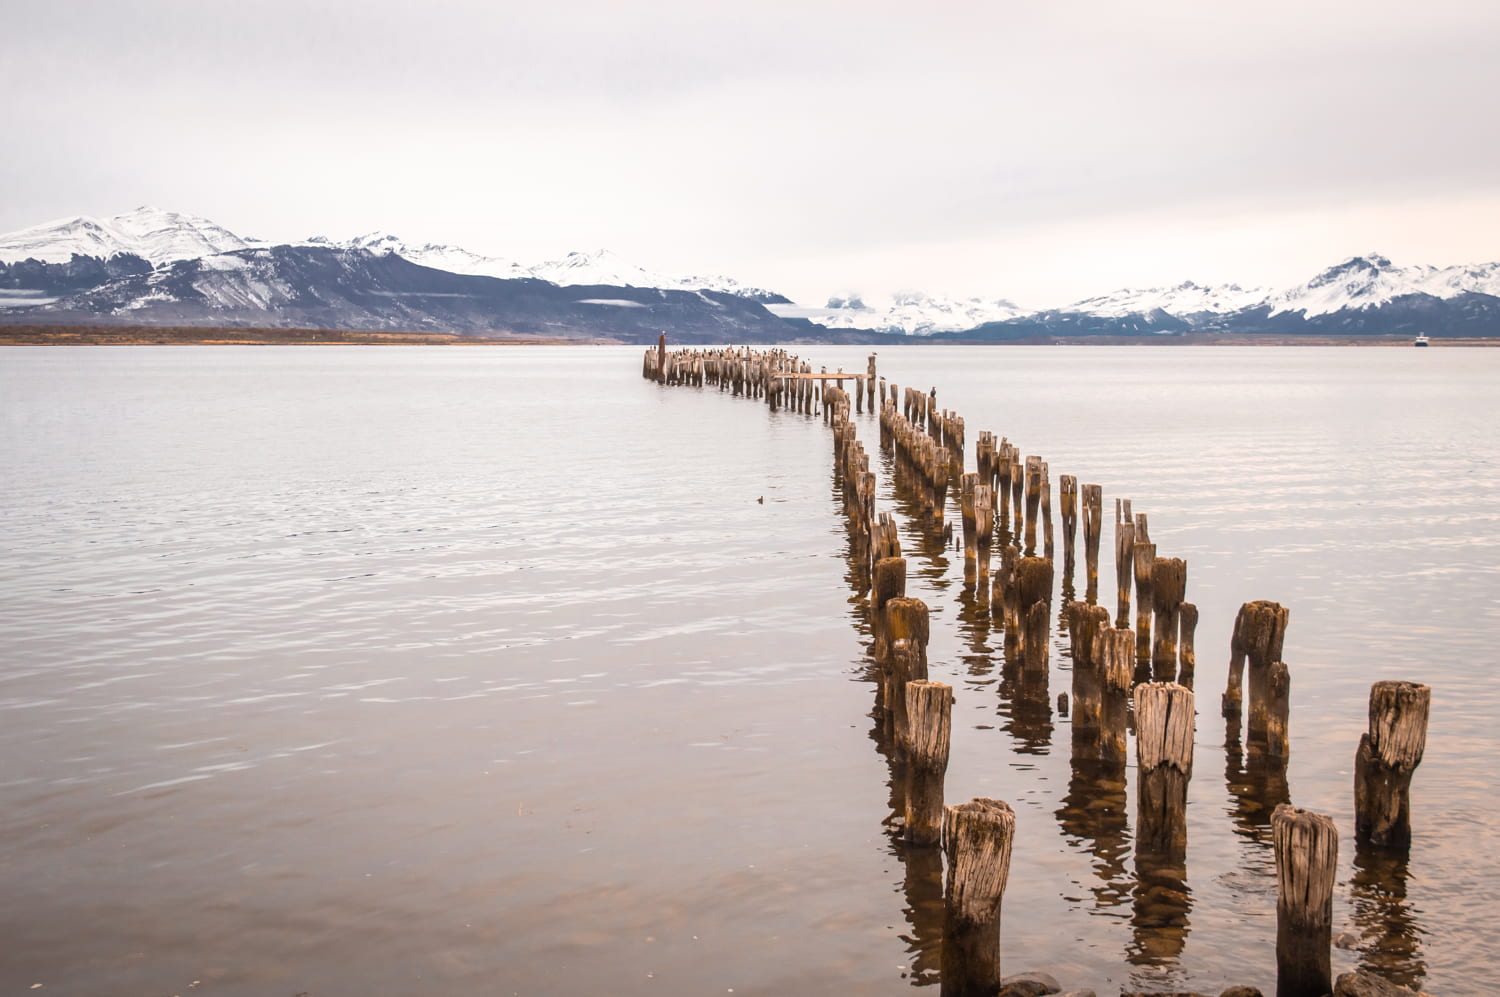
[[141, 335]]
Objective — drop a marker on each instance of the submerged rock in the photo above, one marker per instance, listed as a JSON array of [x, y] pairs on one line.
[[1034, 984], [1362, 984]]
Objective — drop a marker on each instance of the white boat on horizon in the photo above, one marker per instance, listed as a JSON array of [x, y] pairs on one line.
[[1421, 340]]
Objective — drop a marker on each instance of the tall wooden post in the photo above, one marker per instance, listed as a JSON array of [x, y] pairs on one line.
[[1388, 755], [1092, 499], [1187, 655], [1124, 569], [929, 713], [1067, 497], [1168, 586], [1307, 850], [977, 838], [1144, 557]]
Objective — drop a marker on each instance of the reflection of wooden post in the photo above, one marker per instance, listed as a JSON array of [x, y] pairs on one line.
[[1067, 498], [1168, 586], [1164, 756], [1124, 563], [1092, 499], [1307, 849], [1387, 757], [977, 839], [1187, 656], [929, 712]]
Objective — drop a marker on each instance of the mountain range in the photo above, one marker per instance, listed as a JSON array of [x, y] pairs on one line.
[[154, 267]]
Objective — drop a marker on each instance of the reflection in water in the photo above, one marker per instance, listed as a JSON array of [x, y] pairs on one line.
[[1162, 898], [1094, 813], [1390, 937], [923, 889], [1026, 705], [1257, 785]]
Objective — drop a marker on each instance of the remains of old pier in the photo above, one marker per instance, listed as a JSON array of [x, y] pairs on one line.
[[1147, 659]]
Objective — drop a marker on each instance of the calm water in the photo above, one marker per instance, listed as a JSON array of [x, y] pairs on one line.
[[390, 670]]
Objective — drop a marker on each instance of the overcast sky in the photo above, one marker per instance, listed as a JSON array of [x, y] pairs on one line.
[[1041, 152]]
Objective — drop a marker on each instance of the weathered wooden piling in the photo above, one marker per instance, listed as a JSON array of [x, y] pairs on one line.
[[1093, 522], [907, 619], [984, 535], [887, 582], [1124, 569], [1164, 757], [1187, 654], [1067, 498], [966, 487], [1085, 623], [1259, 631], [1033, 500], [977, 839], [1033, 584], [929, 721], [1114, 657], [1143, 556], [1388, 755], [1047, 546], [1269, 731], [1168, 586], [1307, 848]]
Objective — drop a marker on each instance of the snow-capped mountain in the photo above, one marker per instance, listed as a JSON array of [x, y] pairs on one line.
[[1369, 281], [160, 237], [911, 313], [454, 259], [154, 235], [1185, 300], [604, 267]]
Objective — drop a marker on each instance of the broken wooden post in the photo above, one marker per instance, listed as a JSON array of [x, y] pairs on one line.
[[1259, 631], [1164, 757], [977, 839], [1276, 711], [887, 582], [869, 385], [1168, 586], [1067, 497], [1085, 623], [929, 713], [1187, 656], [1033, 585], [1092, 498], [1307, 849], [1388, 755]]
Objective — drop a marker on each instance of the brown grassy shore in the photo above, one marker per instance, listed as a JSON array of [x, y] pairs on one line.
[[142, 335]]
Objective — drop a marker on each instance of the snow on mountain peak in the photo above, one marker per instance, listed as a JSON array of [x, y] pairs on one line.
[[1184, 300], [155, 235], [913, 313], [1372, 280]]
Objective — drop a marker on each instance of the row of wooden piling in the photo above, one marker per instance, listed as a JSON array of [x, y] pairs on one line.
[[1113, 665]]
